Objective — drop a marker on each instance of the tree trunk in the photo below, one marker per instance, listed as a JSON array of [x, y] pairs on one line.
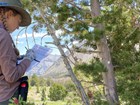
[[73, 77], [66, 62], [105, 58]]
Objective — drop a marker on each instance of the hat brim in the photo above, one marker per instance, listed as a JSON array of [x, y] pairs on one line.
[[26, 19]]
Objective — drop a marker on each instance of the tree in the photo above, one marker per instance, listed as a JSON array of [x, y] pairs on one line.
[[80, 27], [43, 95], [34, 81], [122, 30], [37, 88], [122, 45], [105, 58], [57, 92], [113, 28], [47, 15]]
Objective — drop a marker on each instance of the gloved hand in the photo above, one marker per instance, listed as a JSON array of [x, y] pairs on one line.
[[30, 55]]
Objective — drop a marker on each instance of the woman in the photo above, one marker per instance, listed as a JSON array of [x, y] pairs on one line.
[[11, 17]]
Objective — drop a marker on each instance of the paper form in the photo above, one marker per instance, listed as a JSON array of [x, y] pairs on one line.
[[40, 53]]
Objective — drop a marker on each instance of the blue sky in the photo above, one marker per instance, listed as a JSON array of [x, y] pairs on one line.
[[21, 41]]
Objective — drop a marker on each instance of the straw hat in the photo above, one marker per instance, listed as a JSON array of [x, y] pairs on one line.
[[16, 5]]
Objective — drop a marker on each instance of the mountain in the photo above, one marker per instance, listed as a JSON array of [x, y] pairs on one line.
[[58, 69], [53, 66], [44, 65]]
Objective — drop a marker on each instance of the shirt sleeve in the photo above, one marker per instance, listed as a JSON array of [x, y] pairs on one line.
[[8, 59]]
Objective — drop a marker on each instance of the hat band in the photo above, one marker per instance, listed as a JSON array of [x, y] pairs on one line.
[[3, 4]]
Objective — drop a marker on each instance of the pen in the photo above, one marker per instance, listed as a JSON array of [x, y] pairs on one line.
[[34, 59], [26, 48]]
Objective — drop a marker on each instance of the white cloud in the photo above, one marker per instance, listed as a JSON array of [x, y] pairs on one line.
[[19, 42], [58, 32], [36, 35]]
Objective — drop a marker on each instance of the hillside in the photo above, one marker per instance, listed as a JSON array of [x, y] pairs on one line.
[[58, 69], [53, 66], [44, 65]]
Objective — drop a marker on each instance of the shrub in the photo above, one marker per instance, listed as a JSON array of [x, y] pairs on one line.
[[49, 82], [43, 95], [20, 101], [34, 80], [70, 86], [57, 92]]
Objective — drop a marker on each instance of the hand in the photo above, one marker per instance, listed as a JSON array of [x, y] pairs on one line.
[[30, 55]]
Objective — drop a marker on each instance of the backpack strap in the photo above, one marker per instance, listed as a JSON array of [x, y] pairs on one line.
[[23, 88]]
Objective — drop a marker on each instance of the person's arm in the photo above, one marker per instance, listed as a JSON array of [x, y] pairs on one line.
[[8, 60]]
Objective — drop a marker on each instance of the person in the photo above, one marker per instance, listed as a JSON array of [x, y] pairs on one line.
[[12, 15]]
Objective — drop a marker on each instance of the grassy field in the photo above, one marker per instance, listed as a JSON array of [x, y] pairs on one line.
[[35, 97]]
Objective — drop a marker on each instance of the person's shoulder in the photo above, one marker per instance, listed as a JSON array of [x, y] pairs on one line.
[[3, 33], [2, 29]]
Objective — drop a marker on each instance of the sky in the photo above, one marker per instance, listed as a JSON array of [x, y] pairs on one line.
[[21, 42]]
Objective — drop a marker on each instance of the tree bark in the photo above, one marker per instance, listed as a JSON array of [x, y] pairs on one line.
[[105, 58]]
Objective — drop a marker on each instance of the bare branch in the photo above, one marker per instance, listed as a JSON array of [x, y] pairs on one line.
[[68, 1], [83, 10], [43, 37], [49, 43], [72, 53], [33, 36], [83, 21], [18, 35], [26, 37], [131, 33], [87, 51], [70, 60]]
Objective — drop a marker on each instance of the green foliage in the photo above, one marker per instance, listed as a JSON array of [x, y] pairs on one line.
[[42, 81], [98, 34], [37, 81], [57, 92], [98, 99], [128, 84], [70, 86], [20, 101], [43, 95], [94, 69], [34, 80], [98, 19], [63, 13], [49, 81], [37, 90], [120, 20], [122, 36]]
